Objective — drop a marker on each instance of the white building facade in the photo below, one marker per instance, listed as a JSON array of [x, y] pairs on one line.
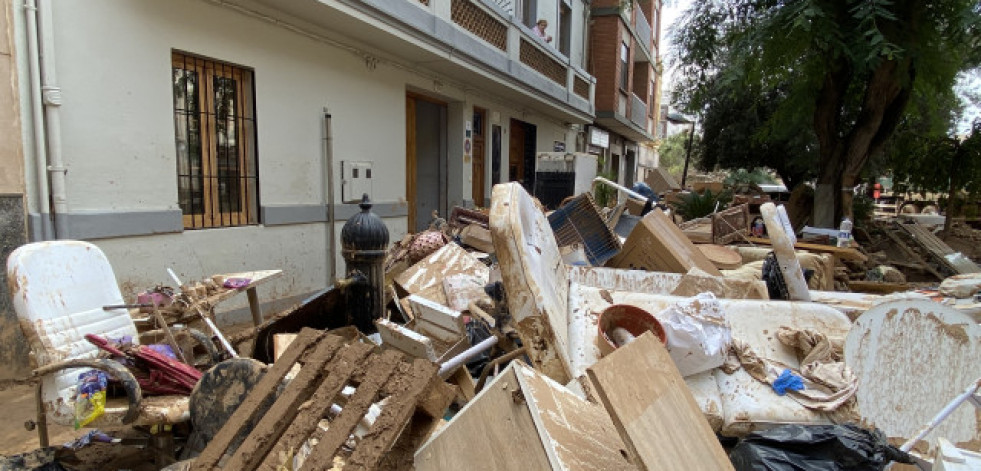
[[214, 136]]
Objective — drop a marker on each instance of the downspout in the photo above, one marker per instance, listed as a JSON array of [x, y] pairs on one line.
[[51, 95], [37, 110], [329, 198]]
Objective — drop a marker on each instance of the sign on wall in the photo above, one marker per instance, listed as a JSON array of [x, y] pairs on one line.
[[599, 137]]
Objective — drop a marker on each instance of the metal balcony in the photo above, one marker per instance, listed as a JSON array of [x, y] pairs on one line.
[[472, 42]]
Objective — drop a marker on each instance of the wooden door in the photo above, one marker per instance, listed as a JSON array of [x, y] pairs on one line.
[[410, 159], [479, 167]]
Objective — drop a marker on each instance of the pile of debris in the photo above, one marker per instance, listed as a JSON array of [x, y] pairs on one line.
[[613, 338]]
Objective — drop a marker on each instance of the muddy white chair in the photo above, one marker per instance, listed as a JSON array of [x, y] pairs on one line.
[[58, 290]]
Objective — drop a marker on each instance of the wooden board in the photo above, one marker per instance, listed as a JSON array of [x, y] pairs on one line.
[[657, 244], [656, 415], [523, 420], [577, 434], [844, 253], [661, 181], [723, 258], [938, 249], [493, 431]]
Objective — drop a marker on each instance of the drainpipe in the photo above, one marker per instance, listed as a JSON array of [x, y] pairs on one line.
[[40, 151], [51, 96], [329, 198]]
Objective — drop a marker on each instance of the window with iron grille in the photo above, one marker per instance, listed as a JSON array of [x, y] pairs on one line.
[[214, 119]]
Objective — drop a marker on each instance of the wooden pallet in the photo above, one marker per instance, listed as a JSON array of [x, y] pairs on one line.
[[411, 389], [935, 249]]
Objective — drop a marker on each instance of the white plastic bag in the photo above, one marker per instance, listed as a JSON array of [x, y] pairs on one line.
[[697, 332]]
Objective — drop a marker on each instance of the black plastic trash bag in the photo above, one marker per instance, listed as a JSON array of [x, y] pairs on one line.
[[815, 448]]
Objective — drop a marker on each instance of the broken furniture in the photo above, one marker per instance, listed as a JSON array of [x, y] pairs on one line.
[[938, 253], [578, 223], [555, 309], [720, 228], [657, 244], [437, 333], [524, 420], [911, 358], [426, 277], [207, 302], [58, 290], [410, 396]]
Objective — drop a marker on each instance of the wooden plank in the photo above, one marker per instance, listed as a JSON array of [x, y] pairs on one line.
[[377, 372], [494, 431], [911, 253], [722, 257], [402, 338], [657, 244], [312, 411], [879, 287], [393, 418], [844, 253], [438, 314], [926, 239], [280, 343], [654, 411], [249, 408], [286, 407]]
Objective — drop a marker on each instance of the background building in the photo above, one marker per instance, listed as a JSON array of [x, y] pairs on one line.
[[624, 56]]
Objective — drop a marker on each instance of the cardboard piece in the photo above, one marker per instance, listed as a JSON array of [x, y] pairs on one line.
[[661, 181], [653, 411], [657, 244]]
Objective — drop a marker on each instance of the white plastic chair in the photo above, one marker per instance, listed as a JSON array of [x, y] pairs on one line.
[[58, 289]]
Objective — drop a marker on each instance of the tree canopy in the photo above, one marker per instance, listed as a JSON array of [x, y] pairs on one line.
[[837, 72]]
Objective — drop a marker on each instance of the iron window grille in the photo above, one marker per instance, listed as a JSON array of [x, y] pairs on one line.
[[217, 166]]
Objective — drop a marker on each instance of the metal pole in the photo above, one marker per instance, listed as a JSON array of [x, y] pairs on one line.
[[684, 173]]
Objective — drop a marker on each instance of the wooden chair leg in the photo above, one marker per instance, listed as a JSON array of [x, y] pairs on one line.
[[42, 420]]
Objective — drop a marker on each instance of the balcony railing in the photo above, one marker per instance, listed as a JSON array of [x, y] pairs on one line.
[[489, 21], [638, 111], [478, 21], [643, 29]]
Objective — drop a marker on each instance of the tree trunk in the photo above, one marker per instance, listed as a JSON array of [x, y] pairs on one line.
[[843, 158]]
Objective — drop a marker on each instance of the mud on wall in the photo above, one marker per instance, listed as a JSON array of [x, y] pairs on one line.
[[13, 345]]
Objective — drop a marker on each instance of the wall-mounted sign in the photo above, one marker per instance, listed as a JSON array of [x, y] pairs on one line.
[[558, 146], [599, 137]]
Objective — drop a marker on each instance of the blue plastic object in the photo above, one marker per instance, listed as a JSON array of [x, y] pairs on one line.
[[787, 381]]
